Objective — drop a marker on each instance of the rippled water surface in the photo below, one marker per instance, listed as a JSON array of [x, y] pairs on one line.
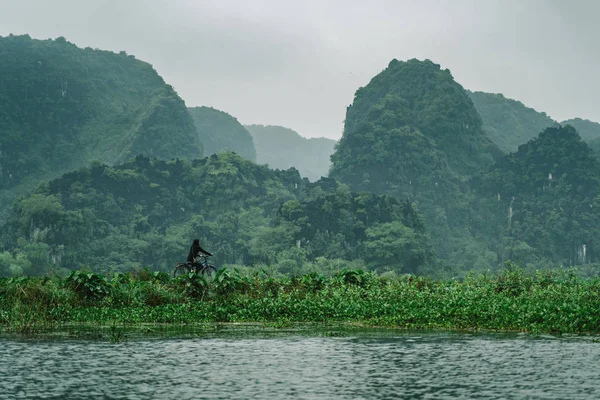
[[303, 366]]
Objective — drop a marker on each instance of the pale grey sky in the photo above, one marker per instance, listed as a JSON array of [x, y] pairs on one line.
[[298, 63]]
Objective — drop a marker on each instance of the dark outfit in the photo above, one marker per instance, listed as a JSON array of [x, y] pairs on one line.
[[195, 250]]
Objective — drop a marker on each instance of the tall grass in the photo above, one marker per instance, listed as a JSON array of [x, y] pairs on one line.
[[553, 301]]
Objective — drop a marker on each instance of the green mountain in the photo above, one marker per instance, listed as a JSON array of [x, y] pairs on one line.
[[284, 148], [146, 213], [588, 130], [62, 107], [509, 123], [541, 205], [219, 132], [413, 132]]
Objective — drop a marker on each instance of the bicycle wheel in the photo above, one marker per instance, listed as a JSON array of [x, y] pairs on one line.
[[209, 270], [181, 269]]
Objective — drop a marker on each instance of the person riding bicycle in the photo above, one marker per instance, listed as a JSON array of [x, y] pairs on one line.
[[195, 251]]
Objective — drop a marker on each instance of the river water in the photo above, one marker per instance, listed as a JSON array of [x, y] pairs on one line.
[[292, 365]]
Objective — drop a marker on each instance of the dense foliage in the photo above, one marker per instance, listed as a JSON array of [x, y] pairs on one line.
[[545, 302], [509, 123], [219, 132], [413, 132], [541, 205], [146, 213], [284, 148], [595, 146], [62, 107]]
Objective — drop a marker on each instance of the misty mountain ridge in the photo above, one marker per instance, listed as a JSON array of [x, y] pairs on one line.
[[510, 123], [588, 130], [284, 148], [220, 132]]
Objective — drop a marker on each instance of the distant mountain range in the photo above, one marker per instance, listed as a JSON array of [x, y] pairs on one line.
[[284, 148], [509, 123], [220, 132]]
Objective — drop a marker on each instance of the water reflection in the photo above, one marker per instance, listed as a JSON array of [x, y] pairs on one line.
[[392, 366]]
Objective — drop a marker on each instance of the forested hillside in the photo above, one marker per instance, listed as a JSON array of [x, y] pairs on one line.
[[413, 132], [284, 148], [145, 213], [509, 123], [541, 205], [219, 132], [595, 146], [62, 107], [588, 130]]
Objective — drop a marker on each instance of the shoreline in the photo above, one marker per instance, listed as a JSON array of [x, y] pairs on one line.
[[224, 330]]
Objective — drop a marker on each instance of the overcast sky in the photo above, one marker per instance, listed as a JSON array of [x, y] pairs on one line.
[[298, 63]]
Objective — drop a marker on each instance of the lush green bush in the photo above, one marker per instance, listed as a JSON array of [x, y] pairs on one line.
[[88, 285]]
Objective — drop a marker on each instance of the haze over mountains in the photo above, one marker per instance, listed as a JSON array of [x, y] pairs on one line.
[[427, 177], [509, 123], [284, 148], [220, 132]]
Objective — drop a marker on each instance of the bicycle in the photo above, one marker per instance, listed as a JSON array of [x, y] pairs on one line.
[[202, 267]]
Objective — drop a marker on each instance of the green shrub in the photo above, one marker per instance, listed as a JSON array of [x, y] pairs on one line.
[[88, 285], [356, 277], [227, 281], [313, 282], [194, 285]]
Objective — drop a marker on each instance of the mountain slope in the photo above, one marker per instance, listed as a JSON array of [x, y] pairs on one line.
[[588, 130], [509, 123], [220, 132], [62, 106], [541, 204], [284, 148], [413, 132]]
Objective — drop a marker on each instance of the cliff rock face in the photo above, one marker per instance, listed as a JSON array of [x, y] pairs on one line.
[[219, 132], [62, 106], [284, 148]]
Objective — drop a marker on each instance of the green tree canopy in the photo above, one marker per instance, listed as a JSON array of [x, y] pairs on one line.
[[146, 213]]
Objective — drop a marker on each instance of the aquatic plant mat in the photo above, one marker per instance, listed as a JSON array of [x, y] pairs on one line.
[[555, 302]]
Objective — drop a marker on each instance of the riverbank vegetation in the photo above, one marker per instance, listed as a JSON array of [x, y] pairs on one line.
[[552, 301]]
